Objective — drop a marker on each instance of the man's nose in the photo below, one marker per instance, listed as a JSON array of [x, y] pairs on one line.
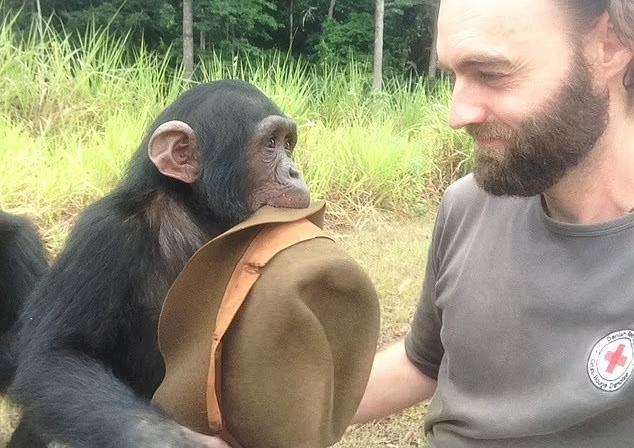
[[466, 108]]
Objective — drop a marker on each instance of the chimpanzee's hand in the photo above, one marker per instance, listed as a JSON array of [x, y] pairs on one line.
[[204, 441], [169, 434]]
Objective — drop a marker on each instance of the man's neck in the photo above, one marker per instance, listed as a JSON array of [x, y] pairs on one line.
[[600, 189]]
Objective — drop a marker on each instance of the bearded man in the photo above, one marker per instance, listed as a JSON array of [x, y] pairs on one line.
[[524, 333]]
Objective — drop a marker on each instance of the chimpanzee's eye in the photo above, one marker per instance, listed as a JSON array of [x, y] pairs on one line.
[[272, 142], [287, 145]]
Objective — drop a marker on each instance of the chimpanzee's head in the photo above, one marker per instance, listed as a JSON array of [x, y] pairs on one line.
[[233, 146]]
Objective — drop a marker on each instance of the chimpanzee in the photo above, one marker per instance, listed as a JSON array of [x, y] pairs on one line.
[[89, 359], [22, 263]]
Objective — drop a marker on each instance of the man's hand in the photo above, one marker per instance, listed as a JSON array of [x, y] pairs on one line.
[[395, 384]]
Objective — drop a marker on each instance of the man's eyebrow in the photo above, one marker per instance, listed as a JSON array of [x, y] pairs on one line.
[[478, 60]]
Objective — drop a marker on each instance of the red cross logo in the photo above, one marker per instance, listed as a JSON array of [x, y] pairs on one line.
[[611, 361], [616, 358]]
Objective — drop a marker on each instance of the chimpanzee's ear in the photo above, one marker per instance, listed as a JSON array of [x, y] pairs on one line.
[[173, 149]]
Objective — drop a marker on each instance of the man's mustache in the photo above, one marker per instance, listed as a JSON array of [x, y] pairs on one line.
[[489, 132]]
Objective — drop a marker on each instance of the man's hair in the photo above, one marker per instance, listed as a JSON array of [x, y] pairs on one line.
[[585, 13]]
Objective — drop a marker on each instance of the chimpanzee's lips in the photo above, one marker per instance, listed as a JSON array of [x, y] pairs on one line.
[[290, 202], [295, 196]]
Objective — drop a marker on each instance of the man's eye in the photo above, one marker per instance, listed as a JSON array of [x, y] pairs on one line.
[[491, 76]]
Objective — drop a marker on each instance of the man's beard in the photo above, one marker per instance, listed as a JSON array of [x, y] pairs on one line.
[[539, 151]]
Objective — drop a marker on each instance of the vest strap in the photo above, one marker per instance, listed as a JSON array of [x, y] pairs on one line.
[[269, 241]]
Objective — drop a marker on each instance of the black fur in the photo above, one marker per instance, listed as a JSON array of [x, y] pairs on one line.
[[22, 263], [89, 357]]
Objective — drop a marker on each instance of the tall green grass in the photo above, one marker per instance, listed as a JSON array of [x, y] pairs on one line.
[[74, 108]]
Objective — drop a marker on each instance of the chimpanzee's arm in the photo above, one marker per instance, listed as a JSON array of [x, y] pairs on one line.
[[71, 331], [74, 399]]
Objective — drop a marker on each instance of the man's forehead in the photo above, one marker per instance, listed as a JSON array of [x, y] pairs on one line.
[[483, 30]]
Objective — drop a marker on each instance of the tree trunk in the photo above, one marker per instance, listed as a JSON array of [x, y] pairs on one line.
[[433, 56], [331, 10], [290, 32], [38, 5], [203, 44], [188, 39], [378, 46]]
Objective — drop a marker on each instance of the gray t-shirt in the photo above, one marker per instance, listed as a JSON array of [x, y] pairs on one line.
[[528, 325]]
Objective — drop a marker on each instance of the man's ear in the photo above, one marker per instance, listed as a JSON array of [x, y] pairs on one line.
[[173, 149], [611, 56]]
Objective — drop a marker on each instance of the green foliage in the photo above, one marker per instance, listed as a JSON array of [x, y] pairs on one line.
[[233, 25], [340, 40], [156, 23], [254, 27], [407, 37]]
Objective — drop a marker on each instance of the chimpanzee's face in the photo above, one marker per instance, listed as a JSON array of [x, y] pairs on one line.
[[234, 147], [272, 176]]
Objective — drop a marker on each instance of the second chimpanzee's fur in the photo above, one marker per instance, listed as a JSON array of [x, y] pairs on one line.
[[22, 263], [89, 358]]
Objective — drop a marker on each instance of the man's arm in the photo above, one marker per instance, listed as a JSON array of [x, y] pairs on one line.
[[395, 384]]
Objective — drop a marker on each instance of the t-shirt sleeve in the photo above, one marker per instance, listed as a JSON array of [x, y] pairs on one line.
[[423, 346]]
